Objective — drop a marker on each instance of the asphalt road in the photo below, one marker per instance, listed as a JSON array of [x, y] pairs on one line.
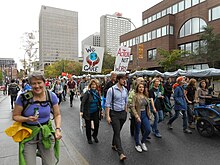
[[174, 148]]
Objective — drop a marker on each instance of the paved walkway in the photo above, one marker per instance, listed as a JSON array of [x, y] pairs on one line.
[[9, 149]]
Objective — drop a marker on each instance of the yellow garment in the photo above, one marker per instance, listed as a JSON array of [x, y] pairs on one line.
[[18, 132]]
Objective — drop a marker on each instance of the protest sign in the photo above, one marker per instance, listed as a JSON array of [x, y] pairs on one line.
[[93, 58]]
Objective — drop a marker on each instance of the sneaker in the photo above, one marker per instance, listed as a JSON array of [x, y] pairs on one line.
[[158, 135], [143, 146], [138, 148], [169, 126], [71, 105], [191, 126], [187, 131], [122, 157]]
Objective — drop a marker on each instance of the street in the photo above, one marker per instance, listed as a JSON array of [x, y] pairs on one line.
[[174, 148]]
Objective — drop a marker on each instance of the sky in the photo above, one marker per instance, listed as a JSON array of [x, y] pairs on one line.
[[20, 16]]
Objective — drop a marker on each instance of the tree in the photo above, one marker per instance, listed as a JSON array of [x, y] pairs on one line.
[[56, 68], [210, 49], [30, 46], [1, 76], [171, 59], [108, 63]]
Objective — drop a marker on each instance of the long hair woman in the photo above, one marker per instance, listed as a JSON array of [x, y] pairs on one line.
[[91, 109], [140, 110]]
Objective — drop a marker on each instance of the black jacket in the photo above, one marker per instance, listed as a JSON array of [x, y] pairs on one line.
[[107, 86], [85, 104]]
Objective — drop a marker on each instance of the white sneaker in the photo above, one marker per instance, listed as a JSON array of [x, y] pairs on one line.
[[144, 147], [138, 148]]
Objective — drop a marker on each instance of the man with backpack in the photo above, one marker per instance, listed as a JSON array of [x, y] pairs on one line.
[[13, 90]]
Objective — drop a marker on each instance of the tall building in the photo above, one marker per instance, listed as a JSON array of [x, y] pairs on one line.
[[58, 35], [93, 40], [111, 28], [172, 24], [9, 68]]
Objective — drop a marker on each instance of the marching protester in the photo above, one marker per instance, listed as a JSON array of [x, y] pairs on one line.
[[167, 94], [203, 93], [116, 112], [13, 90], [36, 116], [179, 105], [91, 109], [140, 110], [109, 84], [64, 85], [82, 85], [190, 92], [58, 90], [71, 86], [25, 85], [156, 96]]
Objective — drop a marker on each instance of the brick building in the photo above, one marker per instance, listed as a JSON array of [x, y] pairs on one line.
[[172, 24]]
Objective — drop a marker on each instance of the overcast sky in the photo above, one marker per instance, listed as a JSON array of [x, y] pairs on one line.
[[20, 16]]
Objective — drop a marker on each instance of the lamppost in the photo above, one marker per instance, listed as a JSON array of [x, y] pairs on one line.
[[137, 42]]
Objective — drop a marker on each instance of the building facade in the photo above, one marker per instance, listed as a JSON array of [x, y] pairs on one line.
[[92, 40], [172, 24], [58, 35], [8, 68], [111, 28]]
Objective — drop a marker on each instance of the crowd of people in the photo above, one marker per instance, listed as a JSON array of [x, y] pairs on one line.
[[148, 100]]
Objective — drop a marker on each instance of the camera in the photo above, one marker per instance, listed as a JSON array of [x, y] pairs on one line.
[[28, 95]]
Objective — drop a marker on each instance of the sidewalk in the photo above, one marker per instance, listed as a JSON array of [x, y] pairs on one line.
[[9, 149]]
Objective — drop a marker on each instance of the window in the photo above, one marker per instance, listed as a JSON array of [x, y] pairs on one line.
[[181, 6], [195, 2], [149, 20], [192, 26], [134, 42], [164, 12], [158, 33], [154, 17], [215, 13], [175, 9], [158, 15], [171, 30], [154, 34], [188, 4], [145, 37], [152, 54], [164, 31], [141, 39], [149, 36], [169, 10]]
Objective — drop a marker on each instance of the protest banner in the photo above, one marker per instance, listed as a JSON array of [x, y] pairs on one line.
[[93, 58], [122, 59]]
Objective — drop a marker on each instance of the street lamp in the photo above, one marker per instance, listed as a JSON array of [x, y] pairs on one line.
[[137, 59]]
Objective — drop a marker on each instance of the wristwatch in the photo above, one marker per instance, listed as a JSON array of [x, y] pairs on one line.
[[59, 129]]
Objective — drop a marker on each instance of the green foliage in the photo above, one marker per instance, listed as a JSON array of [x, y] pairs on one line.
[[108, 63], [1, 76], [210, 50], [56, 69], [171, 59]]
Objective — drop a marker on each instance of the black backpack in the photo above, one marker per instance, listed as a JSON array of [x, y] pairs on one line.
[[14, 89]]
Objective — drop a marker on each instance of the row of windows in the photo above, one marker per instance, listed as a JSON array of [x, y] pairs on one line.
[[192, 26], [214, 13], [185, 4], [192, 47], [198, 66], [151, 55], [166, 30]]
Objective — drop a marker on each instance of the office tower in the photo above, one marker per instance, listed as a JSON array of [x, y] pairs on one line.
[[58, 35]]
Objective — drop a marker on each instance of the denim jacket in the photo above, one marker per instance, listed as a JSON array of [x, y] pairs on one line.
[[179, 99]]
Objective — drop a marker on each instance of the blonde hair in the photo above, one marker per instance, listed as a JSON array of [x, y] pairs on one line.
[[91, 82]]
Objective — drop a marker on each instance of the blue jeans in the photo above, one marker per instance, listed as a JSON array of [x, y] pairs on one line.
[[146, 123], [158, 117], [176, 115]]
